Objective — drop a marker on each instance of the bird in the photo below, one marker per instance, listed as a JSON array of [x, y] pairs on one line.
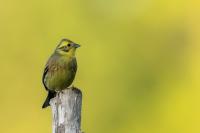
[[60, 69]]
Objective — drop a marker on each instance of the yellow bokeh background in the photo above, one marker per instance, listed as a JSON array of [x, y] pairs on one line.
[[138, 67]]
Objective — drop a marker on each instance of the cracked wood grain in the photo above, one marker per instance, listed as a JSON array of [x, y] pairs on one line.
[[66, 110]]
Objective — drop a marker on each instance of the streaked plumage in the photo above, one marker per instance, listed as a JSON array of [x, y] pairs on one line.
[[60, 69]]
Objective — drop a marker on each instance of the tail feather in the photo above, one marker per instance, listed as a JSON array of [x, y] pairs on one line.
[[49, 97]]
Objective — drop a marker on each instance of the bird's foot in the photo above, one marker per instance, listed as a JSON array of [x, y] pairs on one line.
[[58, 97], [59, 93], [62, 91], [73, 87]]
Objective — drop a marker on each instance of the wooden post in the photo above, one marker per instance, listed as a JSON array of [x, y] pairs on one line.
[[66, 109]]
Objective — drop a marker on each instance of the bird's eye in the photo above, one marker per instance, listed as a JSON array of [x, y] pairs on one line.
[[69, 45]]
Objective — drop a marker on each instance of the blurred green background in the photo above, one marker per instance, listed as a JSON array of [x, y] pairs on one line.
[[138, 66]]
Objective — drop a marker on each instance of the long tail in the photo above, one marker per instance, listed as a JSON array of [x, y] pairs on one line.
[[50, 95]]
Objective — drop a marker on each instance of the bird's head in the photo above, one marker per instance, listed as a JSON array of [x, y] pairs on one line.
[[67, 47]]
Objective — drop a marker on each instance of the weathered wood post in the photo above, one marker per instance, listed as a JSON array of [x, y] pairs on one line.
[[66, 110]]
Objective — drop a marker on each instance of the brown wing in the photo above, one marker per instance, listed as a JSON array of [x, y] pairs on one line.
[[44, 76], [51, 63]]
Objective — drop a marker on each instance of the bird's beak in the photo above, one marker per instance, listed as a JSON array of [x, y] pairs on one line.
[[76, 45]]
